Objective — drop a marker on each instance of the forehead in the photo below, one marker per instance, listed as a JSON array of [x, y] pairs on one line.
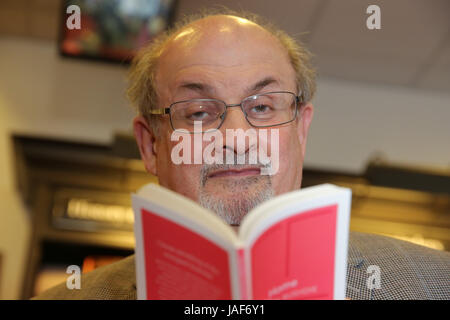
[[224, 51]]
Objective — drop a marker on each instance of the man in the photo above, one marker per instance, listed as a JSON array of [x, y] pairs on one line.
[[230, 62]]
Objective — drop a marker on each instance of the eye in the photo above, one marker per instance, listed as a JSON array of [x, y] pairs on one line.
[[199, 115], [261, 108], [203, 112]]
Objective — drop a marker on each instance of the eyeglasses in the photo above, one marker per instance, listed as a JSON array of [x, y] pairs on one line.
[[261, 110]]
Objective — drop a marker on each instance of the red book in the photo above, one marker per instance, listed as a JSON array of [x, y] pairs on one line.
[[293, 246]]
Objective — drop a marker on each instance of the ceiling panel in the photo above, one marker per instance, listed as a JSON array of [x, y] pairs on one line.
[[412, 32], [410, 28], [437, 76], [366, 69]]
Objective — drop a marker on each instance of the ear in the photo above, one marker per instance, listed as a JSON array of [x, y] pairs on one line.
[[145, 139], [304, 119]]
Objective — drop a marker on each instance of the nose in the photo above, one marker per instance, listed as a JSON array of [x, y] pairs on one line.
[[235, 118], [235, 128]]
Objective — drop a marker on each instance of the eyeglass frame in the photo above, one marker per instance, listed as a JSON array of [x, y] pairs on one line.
[[298, 101]]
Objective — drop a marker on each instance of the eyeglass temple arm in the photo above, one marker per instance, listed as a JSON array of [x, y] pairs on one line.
[[300, 99], [159, 111]]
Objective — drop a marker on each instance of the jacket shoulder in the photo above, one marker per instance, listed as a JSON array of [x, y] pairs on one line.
[[115, 281], [405, 270]]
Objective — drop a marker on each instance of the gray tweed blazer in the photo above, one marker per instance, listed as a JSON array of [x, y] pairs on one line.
[[407, 271]]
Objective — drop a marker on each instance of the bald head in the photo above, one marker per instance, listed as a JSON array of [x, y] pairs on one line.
[[224, 34], [219, 50], [217, 26]]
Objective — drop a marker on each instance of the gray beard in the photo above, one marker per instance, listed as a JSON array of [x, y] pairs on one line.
[[247, 193]]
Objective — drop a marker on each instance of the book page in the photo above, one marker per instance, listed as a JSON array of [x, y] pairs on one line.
[[181, 264], [301, 253], [297, 245], [182, 252]]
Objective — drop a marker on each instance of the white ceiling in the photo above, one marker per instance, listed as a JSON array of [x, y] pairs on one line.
[[412, 48]]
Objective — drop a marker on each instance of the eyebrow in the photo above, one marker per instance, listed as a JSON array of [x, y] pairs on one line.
[[205, 88], [197, 86], [262, 84]]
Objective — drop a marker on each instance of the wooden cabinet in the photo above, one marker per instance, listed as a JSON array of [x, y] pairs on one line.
[[78, 196]]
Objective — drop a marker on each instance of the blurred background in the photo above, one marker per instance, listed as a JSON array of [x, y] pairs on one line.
[[68, 161]]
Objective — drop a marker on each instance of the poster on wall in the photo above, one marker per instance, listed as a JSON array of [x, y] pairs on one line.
[[111, 30]]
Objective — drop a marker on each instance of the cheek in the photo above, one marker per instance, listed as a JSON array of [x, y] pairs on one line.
[[287, 145], [179, 177], [184, 179], [290, 161], [288, 149]]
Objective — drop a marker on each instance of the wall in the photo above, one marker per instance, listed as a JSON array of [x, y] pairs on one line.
[[354, 121], [41, 93]]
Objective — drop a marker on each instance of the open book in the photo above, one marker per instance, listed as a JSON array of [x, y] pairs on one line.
[[293, 246]]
